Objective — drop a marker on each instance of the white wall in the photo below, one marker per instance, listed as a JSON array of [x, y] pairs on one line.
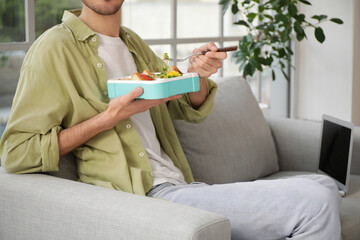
[[325, 72], [356, 72]]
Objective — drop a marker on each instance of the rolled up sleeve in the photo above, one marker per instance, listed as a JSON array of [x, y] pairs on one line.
[[30, 140], [181, 109]]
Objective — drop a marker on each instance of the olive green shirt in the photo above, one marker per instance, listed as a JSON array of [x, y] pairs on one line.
[[63, 83]]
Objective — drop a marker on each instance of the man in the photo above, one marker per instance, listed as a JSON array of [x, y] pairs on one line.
[[61, 106]]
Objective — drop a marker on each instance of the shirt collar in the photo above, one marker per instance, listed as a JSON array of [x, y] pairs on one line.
[[80, 29], [124, 36]]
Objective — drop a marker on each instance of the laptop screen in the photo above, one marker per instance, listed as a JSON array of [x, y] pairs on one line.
[[334, 154]]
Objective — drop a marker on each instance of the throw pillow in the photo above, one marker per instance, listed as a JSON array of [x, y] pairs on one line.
[[234, 143]]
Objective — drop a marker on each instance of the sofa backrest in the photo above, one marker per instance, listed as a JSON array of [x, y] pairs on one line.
[[234, 143]]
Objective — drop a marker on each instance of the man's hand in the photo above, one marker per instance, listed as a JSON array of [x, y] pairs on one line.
[[127, 105], [208, 64], [118, 109], [205, 66]]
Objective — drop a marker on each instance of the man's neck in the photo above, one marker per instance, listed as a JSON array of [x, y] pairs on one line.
[[107, 25]]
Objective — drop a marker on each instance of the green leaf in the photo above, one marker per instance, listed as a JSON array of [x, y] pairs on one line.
[[255, 63], [282, 52], [337, 20], [300, 18], [234, 9], [243, 45], [248, 38], [305, 2], [319, 17], [268, 16], [281, 18], [289, 51], [292, 10], [257, 51], [300, 34], [242, 65], [225, 5], [261, 8], [319, 34], [243, 23], [285, 75], [281, 64], [273, 75], [275, 4], [251, 16], [249, 70], [274, 39], [239, 56], [285, 34], [262, 61], [261, 26]]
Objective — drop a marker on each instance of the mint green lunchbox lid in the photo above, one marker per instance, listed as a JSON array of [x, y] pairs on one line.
[[155, 89]]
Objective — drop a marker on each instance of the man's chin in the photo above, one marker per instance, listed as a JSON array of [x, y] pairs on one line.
[[107, 12], [106, 9]]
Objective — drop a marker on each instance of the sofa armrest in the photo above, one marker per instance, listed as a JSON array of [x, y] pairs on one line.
[[355, 164], [39, 206], [298, 141]]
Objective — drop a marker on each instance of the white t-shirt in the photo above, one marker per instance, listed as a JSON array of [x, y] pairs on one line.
[[113, 51]]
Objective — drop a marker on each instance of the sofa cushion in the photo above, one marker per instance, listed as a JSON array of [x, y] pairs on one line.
[[350, 210], [234, 143]]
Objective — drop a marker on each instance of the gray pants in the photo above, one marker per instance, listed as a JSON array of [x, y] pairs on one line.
[[300, 207]]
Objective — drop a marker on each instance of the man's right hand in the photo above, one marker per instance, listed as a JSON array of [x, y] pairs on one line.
[[118, 109], [127, 105]]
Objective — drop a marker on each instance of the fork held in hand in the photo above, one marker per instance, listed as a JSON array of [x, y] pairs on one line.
[[224, 49]]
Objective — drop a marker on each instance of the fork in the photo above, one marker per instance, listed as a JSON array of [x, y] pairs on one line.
[[224, 49]]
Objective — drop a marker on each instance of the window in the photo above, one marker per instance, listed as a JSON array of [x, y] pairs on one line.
[[178, 26], [181, 25], [21, 21], [172, 26]]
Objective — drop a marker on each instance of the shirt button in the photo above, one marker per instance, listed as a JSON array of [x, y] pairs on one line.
[[141, 154], [105, 93], [152, 174], [128, 126], [6, 142], [99, 65], [93, 39]]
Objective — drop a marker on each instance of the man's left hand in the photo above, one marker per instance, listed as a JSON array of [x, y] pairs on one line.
[[205, 66], [208, 64]]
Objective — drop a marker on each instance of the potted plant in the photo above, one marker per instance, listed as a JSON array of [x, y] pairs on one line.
[[271, 25]]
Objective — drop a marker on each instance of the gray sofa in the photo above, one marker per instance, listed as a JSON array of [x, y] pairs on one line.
[[236, 143]]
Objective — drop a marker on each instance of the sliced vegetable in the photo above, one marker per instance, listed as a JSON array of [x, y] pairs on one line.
[[172, 74], [146, 77]]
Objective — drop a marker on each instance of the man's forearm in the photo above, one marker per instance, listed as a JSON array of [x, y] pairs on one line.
[[199, 97], [75, 136], [119, 108]]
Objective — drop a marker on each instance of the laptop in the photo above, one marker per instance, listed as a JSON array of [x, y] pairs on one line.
[[336, 151]]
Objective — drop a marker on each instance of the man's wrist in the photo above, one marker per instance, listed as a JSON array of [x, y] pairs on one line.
[[104, 120], [199, 97]]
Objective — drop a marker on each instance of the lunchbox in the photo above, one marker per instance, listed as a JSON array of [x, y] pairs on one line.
[[155, 89]]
